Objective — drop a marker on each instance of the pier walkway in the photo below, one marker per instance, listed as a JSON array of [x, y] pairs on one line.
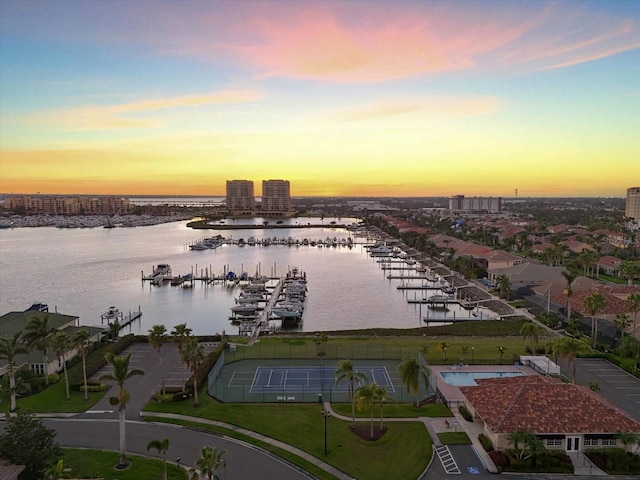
[[263, 318]]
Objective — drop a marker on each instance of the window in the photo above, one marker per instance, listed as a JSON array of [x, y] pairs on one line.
[[554, 442], [590, 442], [610, 442]]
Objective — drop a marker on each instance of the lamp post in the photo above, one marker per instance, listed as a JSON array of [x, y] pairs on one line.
[[178, 462], [326, 415], [473, 355]]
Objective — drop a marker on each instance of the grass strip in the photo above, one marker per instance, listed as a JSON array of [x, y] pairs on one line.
[[89, 463], [454, 438], [284, 454], [302, 425]]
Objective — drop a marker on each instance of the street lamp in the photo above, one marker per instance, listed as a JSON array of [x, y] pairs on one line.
[[326, 415], [473, 355]]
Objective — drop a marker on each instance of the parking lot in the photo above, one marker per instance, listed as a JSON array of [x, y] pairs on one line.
[[142, 387]]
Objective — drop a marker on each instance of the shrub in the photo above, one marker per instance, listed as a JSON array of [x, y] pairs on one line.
[[95, 360], [160, 398], [54, 378], [486, 443], [94, 387], [499, 458], [180, 396], [464, 411]]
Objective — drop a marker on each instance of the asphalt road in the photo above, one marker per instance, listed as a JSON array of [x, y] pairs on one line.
[[243, 461]]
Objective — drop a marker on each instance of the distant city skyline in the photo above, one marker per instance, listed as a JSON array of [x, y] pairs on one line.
[[398, 98]]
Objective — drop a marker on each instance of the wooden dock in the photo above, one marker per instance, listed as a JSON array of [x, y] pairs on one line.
[[408, 277]]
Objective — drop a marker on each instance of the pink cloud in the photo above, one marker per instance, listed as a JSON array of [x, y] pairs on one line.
[[345, 42]]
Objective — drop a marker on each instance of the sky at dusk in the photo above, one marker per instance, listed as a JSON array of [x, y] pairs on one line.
[[350, 98]]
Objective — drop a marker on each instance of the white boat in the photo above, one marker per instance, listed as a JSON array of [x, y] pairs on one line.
[[161, 273], [112, 314]]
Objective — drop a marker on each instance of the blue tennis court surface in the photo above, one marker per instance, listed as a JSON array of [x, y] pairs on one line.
[[296, 379]]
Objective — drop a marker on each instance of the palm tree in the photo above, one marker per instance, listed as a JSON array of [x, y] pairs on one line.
[[622, 322], [161, 446], [61, 343], [381, 395], [365, 398], [630, 270], [594, 304], [531, 331], [10, 347], [38, 334], [411, 372], [181, 332], [209, 462], [518, 437], [114, 329], [633, 302], [193, 355], [501, 350], [442, 346], [568, 291], [80, 340], [629, 439], [569, 348], [345, 371], [504, 286], [157, 336], [120, 373]]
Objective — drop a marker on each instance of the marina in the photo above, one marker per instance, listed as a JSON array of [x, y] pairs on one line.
[[347, 289]]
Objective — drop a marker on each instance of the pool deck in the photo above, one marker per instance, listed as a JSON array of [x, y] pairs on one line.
[[452, 394]]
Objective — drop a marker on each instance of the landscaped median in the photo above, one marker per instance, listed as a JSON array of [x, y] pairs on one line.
[[302, 426]]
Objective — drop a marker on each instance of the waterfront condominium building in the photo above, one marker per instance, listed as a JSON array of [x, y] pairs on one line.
[[633, 203], [276, 196], [240, 198], [460, 203], [76, 205]]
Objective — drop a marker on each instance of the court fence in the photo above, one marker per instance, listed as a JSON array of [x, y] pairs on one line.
[[299, 350], [239, 381]]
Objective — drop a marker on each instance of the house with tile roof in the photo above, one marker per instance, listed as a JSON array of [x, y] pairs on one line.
[[564, 416], [13, 322], [609, 265]]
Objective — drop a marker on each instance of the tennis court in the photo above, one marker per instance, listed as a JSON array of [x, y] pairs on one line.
[[300, 380], [297, 379]]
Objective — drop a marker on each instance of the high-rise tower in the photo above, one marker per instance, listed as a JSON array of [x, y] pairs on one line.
[[276, 196], [240, 198]]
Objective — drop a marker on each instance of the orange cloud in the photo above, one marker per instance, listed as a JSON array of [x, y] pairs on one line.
[[107, 117], [418, 109]]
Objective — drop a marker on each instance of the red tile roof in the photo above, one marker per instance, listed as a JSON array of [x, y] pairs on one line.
[[544, 406]]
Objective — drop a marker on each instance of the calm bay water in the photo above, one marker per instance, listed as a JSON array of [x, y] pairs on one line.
[[84, 271]]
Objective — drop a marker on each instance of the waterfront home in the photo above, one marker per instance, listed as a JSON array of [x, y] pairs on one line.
[[13, 322], [564, 416]]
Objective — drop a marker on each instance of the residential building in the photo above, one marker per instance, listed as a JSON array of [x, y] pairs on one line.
[[13, 322], [460, 203], [76, 205], [632, 209], [276, 196], [240, 197]]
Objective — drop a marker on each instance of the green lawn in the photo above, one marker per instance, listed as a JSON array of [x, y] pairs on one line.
[[396, 410], [53, 399], [303, 426], [86, 463], [454, 438]]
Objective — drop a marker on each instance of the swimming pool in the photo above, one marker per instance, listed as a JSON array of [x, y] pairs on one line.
[[468, 379]]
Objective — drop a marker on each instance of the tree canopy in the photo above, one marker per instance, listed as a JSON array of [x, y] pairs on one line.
[[26, 441]]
